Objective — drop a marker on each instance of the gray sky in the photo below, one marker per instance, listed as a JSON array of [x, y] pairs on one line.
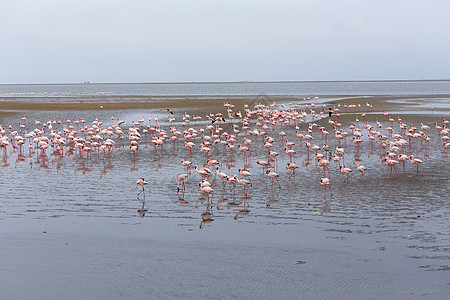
[[57, 41]]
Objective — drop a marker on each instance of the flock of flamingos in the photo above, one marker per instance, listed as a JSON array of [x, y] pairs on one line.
[[261, 134]]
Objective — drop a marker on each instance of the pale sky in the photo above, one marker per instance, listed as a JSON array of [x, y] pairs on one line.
[[61, 41]]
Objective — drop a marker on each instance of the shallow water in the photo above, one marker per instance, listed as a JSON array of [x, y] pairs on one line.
[[303, 88], [62, 218]]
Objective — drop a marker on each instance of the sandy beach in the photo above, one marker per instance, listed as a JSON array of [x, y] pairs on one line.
[[71, 226]]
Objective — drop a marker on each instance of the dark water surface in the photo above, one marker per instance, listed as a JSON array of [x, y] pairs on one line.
[[70, 226]]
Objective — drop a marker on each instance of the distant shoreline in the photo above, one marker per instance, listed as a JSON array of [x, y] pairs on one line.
[[231, 82]]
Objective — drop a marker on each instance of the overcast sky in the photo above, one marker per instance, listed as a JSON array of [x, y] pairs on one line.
[[59, 41]]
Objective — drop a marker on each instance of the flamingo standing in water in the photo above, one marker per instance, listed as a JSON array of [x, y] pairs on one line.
[[245, 183], [263, 164], [181, 179], [324, 163], [416, 161], [361, 168], [403, 158], [326, 183], [207, 190], [291, 166], [345, 171], [246, 174], [189, 145], [141, 182], [204, 173], [222, 176], [391, 163], [290, 152], [187, 165], [273, 176]]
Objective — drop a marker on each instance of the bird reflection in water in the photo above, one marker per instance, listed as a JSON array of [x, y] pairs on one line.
[[142, 210], [133, 168], [20, 159], [107, 166], [181, 199], [307, 162], [221, 202], [5, 163], [273, 199], [244, 211], [325, 210], [241, 213], [207, 216]]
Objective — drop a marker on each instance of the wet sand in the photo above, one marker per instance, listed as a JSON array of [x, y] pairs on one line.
[[70, 227]]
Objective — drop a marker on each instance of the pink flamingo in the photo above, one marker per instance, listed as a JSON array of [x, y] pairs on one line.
[[291, 166], [403, 158], [290, 152], [232, 180], [361, 168], [416, 161], [391, 163], [206, 189], [273, 176], [204, 173], [324, 163], [346, 171], [326, 183], [246, 174], [222, 176], [187, 165], [189, 145], [141, 182], [263, 164], [181, 179], [245, 183]]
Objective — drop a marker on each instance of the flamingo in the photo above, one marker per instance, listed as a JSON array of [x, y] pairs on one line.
[[291, 166], [207, 190], [361, 168], [324, 163], [233, 181], [204, 173], [345, 171], [222, 176], [181, 179], [416, 161], [187, 165], [141, 182], [326, 183], [273, 176], [403, 158], [290, 152], [189, 145], [391, 163], [246, 174], [263, 164], [245, 183]]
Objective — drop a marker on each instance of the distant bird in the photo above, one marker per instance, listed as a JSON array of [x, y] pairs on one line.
[[167, 110], [218, 119]]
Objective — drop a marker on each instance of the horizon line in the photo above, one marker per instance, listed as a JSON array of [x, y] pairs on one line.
[[227, 82]]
